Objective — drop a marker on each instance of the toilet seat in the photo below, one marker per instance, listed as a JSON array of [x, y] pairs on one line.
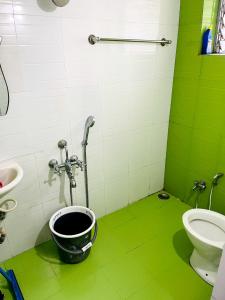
[[206, 225]]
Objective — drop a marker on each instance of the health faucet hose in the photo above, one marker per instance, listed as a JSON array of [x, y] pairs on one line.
[[215, 182], [88, 124]]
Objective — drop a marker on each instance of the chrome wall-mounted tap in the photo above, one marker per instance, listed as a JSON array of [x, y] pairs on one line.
[[68, 164], [199, 185]]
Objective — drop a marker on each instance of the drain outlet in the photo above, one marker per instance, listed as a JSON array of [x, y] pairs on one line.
[[163, 196]]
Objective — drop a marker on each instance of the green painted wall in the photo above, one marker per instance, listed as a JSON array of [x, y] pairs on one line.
[[196, 143]]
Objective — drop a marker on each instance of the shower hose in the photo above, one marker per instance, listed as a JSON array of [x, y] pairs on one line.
[[210, 197]]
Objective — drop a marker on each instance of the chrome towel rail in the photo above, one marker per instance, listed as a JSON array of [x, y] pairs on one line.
[[95, 39]]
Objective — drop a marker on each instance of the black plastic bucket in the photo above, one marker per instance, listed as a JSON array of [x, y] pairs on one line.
[[71, 229]]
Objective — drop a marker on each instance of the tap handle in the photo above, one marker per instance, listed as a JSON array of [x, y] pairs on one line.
[[196, 185], [73, 158], [80, 164], [62, 144], [203, 185], [53, 163]]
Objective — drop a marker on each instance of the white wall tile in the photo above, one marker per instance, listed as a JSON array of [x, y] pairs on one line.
[[6, 7], [6, 251], [56, 79], [169, 12], [156, 172], [98, 201], [7, 24], [114, 101], [23, 228], [157, 143], [116, 193], [115, 155], [139, 184], [51, 206], [36, 30], [6, 19], [12, 66], [138, 151]]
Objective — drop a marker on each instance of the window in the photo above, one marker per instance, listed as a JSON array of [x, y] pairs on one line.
[[219, 44]]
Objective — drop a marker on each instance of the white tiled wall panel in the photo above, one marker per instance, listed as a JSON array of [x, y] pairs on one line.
[[56, 79]]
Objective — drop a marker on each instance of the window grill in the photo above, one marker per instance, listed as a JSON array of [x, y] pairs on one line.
[[219, 46]]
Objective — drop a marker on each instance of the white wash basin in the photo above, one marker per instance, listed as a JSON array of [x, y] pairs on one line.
[[10, 176]]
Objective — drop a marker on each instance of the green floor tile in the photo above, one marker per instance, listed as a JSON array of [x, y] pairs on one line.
[[126, 275], [184, 283], [141, 252], [130, 235], [117, 218], [145, 206], [31, 266], [94, 286], [152, 290], [36, 290]]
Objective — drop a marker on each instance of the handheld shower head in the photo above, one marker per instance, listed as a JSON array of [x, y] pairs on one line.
[[60, 3], [88, 124], [216, 178], [90, 121]]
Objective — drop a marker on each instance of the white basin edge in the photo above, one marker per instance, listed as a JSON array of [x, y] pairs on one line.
[[15, 181]]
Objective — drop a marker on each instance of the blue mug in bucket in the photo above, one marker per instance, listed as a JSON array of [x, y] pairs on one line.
[[71, 228]]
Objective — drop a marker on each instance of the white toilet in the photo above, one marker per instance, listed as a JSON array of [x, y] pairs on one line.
[[206, 230]]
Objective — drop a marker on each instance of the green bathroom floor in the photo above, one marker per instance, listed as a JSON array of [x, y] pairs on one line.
[[141, 252]]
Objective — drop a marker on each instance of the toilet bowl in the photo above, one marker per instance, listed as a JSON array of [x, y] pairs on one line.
[[206, 231]]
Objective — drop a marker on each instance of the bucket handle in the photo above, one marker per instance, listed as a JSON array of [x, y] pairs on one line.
[[83, 249]]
